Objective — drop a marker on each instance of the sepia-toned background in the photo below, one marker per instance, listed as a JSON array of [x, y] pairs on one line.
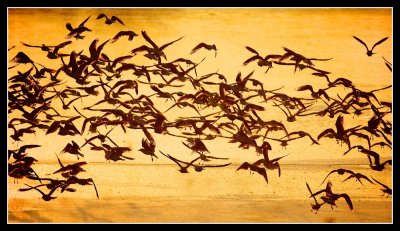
[[142, 190]]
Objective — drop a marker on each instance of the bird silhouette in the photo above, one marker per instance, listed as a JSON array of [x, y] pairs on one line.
[[128, 33], [388, 64], [182, 169], [317, 205], [385, 188], [70, 169], [369, 52], [148, 148], [73, 148], [377, 165], [254, 168], [45, 197], [111, 20], [331, 198], [76, 32], [205, 46]]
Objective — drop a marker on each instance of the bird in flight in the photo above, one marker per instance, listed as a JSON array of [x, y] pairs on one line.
[[369, 52], [206, 46], [111, 20]]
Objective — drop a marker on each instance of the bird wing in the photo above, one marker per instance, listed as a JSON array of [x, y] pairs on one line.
[[29, 45], [95, 188], [120, 59], [220, 165], [336, 170], [69, 26], [252, 50], [167, 44], [84, 21], [366, 178], [101, 16], [383, 185], [309, 189], [36, 189], [349, 177], [244, 166], [305, 87], [373, 154], [327, 131], [171, 158], [141, 48], [200, 45], [148, 39], [361, 42], [114, 18], [92, 48], [53, 127], [348, 200], [263, 173], [59, 161], [278, 158], [61, 45], [379, 42], [23, 148], [316, 193]]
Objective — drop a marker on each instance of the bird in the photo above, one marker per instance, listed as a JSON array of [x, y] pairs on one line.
[[269, 164], [51, 53], [148, 148], [377, 166], [73, 148], [340, 171], [70, 169], [358, 177], [388, 64], [385, 188], [76, 32], [369, 52], [128, 33], [182, 169], [254, 168], [331, 198], [111, 20], [45, 197], [314, 94], [206, 46], [20, 153], [340, 134], [317, 205]]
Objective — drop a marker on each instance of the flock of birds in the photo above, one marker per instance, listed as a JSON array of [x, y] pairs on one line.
[[43, 97]]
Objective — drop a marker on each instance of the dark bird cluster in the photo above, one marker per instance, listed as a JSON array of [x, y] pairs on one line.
[[127, 94]]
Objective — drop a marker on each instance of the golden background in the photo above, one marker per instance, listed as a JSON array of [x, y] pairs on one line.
[[144, 191]]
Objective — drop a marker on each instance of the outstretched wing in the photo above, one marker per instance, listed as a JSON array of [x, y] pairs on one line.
[[113, 18], [252, 50], [101, 16], [347, 198], [324, 133], [200, 45], [263, 173], [148, 39], [244, 166], [167, 44], [171, 158], [383, 185], [83, 23], [305, 87], [379, 42], [309, 189], [69, 26], [362, 42], [251, 59]]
